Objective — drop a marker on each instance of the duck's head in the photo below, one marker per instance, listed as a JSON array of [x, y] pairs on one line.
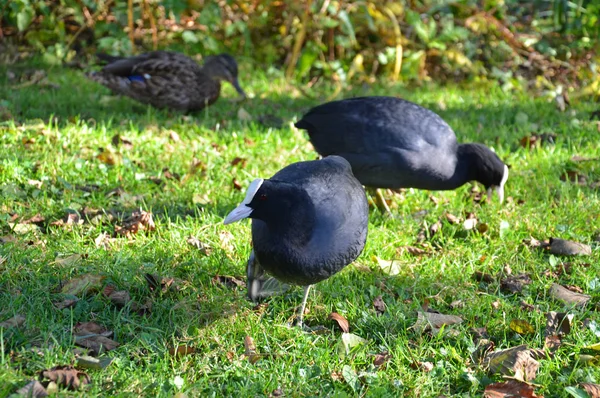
[[223, 67], [486, 167]]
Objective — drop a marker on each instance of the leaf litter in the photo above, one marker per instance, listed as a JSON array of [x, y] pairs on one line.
[[94, 337], [66, 376], [518, 362]]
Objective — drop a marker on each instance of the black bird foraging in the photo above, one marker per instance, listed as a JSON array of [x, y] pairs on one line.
[[393, 143], [308, 222], [166, 79]]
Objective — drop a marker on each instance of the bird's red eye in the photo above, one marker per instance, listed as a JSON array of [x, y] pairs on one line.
[[262, 197]]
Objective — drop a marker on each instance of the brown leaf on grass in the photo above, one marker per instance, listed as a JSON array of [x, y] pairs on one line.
[[228, 281], [552, 343], [239, 161], [415, 251], [66, 303], [94, 337], [236, 184], [483, 277], [68, 261], [574, 176], [87, 362], [203, 247], [106, 157], [37, 219], [161, 284], [434, 321], [69, 219], [381, 358], [83, 284], [250, 350], [514, 283], [521, 326], [225, 238], [510, 389], [424, 366], [119, 140], [379, 305], [341, 321], [66, 376], [517, 362], [526, 306], [558, 323], [593, 390], [452, 219], [138, 221], [434, 228], [181, 350], [8, 239], [103, 241], [33, 389], [562, 247], [534, 140], [533, 242], [567, 296], [13, 322], [119, 298]]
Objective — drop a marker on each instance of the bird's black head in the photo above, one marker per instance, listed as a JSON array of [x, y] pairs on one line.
[[223, 67], [485, 166], [275, 202]]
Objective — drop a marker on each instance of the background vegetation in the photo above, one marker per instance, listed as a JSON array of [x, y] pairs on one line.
[[506, 40]]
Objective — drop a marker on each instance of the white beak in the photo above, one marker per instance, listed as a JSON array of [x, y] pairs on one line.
[[237, 214], [243, 210], [500, 188]]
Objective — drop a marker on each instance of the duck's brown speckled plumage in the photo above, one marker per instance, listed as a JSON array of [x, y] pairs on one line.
[[167, 79]]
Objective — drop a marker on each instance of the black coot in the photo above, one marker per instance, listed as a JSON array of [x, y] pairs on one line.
[[393, 143], [308, 222]]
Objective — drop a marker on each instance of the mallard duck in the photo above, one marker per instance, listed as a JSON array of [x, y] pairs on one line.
[[166, 79]]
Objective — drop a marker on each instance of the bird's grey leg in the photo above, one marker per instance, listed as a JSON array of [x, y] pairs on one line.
[[380, 200], [260, 285], [304, 300]]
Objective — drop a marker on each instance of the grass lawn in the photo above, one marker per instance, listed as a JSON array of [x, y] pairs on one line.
[[59, 157]]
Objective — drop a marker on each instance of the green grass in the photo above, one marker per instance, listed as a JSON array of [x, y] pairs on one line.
[[53, 136]]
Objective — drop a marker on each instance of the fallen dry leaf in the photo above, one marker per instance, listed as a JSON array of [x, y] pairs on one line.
[[13, 322], [381, 358], [66, 303], [434, 321], [510, 389], [119, 298], [517, 362], [574, 176], [521, 326], [534, 140], [138, 221], [66, 376], [228, 281], [424, 366], [225, 238], [379, 305], [94, 337], [203, 247], [567, 296], [562, 247], [68, 261], [106, 157], [593, 390], [33, 389], [236, 184], [83, 284], [181, 350], [415, 251], [483, 277], [390, 267], [452, 219], [250, 350], [69, 219], [341, 321], [552, 343], [87, 362], [470, 223], [243, 115], [119, 140], [348, 342], [514, 283], [558, 323], [239, 161]]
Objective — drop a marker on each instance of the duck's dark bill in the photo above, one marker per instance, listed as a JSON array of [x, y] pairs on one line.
[[238, 88]]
